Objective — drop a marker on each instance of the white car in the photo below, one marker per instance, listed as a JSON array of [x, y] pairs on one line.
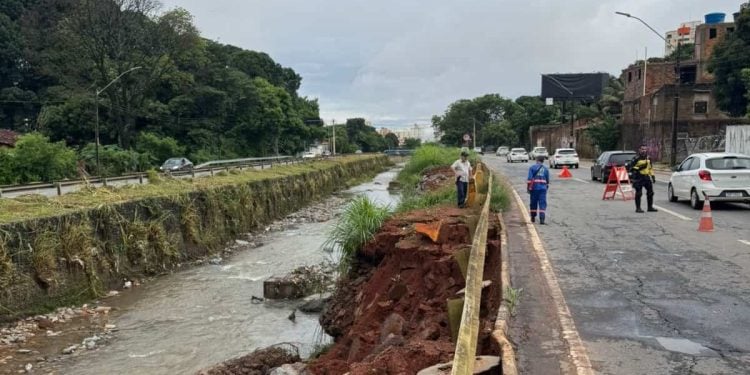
[[539, 151], [721, 176], [518, 154], [502, 151], [309, 155], [564, 156]]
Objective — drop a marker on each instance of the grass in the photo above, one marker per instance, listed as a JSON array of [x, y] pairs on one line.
[[500, 199], [513, 297], [37, 206], [414, 201], [359, 222], [426, 157]]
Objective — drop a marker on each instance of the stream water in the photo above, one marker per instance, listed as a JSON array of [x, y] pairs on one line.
[[181, 323]]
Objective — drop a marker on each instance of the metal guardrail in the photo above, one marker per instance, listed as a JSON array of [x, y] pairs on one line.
[[468, 333], [209, 167]]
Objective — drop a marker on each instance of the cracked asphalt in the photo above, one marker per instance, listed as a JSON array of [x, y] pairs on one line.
[[649, 294]]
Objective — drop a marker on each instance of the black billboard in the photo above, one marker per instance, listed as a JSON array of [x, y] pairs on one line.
[[581, 86]]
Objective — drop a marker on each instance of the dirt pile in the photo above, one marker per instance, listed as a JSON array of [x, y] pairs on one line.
[[435, 178], [389, 314]]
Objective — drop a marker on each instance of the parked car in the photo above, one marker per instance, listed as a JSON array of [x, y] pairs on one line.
[[326, 153], [308, 155], [722, 176], [478, 150], [539, 151], [502, 151], [518, 154], [176, 165], [608, 159], [564, 156]]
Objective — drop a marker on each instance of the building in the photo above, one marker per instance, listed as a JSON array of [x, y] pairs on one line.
[[649, 97], [684, 34], [8, 138], [412, 132]]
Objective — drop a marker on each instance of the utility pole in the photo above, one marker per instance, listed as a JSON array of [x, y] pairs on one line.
[[475, 132], [96, 129], [675, 109], [333, 128]]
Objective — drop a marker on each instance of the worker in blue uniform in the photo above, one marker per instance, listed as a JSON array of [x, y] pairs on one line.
[[537, 185]]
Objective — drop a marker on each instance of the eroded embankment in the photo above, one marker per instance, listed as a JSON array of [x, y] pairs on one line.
[[62, 259], [389, 314]]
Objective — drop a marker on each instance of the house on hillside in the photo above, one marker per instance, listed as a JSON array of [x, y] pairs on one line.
[[650, 89], [8, 138]]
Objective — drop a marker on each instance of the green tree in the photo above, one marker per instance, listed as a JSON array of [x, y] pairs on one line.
[[391, 140], [38, 159], [7, 167], [158, 149], [610, 103], [114, 160], [605, 134], [412, 143], [685, 52], [500, 133], [729, 58], [464, 115]]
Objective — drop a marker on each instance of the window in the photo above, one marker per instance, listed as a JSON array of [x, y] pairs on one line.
[[630, 76], [700, 107], [688, 75], [712, 33], [685, 166], [639, 74], [695, 164], [728, 162], [730, 29]]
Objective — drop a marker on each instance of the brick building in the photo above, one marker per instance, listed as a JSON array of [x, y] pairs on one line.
[[8, 138], [648, 101]]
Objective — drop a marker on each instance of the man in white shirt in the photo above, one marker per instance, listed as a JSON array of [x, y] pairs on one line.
[[462, 168]]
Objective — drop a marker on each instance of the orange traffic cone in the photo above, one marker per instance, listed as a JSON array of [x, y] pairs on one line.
[[707, 221], [565, 173]]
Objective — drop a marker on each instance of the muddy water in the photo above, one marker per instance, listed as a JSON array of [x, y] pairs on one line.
[[186, 321]]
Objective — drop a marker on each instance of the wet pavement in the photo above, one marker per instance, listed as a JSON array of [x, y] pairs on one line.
[[180, 323], [649, 294]]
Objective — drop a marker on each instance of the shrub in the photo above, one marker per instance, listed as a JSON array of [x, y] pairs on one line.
[[158, 148], [114, 160], [38, 159], [357, 225]]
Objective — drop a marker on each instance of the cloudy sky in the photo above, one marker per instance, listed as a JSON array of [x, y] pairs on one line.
[[398, 62]]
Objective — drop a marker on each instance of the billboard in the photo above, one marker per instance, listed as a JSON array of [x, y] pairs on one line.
[[576, 86]]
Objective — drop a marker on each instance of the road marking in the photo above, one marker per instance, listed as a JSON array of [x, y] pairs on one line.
[[675, 214], [584, 181], [570, 333], [745, 242]]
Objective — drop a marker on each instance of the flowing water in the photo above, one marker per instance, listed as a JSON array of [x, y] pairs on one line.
[[180, 323]]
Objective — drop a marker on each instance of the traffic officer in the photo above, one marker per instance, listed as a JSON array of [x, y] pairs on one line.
[[537, 185], [642, 173]]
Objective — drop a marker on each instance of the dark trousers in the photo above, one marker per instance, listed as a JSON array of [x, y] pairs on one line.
[[640, 183], [538, 204], [462, 188]]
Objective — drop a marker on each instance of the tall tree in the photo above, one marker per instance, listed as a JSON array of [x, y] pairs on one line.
[[729, 57]]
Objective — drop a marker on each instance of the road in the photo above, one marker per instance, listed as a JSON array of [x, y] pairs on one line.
[[51, 192], [648, 293]]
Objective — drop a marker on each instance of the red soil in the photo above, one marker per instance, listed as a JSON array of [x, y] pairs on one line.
[[390, 316], [437, 177]]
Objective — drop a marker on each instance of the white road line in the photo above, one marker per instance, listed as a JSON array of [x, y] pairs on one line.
[[745, 242], [675, 214], [576, 349], [584, 181]]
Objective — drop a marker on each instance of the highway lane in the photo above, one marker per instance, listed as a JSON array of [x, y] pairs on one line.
[[649, 294]]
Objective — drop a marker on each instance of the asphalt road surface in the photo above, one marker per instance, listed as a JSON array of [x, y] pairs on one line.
[[648, 293]]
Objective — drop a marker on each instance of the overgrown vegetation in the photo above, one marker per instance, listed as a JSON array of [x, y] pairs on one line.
[[361, 219], [500, 198], [69, 249]]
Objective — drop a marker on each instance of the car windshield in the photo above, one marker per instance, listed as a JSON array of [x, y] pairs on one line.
[[170, 162], [566, 152], [540, 149], [728, 162], [518, 150], [620, 158], [502, 149]]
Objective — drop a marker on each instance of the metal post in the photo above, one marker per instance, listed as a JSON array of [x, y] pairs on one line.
[[333, 127], [475, 131], [140, 178], [212, 171], [675, 109], [192, 172], [59, 188], [96, 134], [104, 181]]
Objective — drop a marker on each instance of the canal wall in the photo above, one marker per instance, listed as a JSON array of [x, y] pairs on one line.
[[65, 259]]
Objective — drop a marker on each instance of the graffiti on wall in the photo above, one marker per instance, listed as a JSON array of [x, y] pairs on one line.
[[708, 143], [654, 148]]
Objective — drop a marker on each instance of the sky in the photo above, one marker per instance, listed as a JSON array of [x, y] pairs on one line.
[[399, 62]]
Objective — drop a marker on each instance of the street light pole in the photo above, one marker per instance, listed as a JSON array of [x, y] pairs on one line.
[[475, 131], [96, 129], [676, 105], [333, 129]]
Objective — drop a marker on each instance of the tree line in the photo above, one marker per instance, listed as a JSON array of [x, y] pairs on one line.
[[179, 94]]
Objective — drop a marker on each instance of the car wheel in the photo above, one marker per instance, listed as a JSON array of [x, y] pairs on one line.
[[670, 194], [576, 166], [695, 201], [592, 175]]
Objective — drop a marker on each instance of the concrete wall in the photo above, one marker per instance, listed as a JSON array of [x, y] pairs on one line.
[[558, 136], [738, 139]]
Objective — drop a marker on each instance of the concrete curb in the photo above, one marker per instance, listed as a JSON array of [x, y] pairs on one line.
[[500, 332]]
